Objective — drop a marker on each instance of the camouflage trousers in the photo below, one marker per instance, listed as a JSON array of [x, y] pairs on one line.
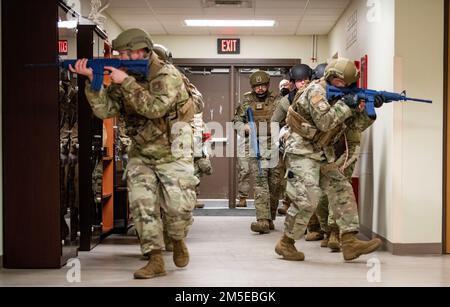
[[243, 169], [267, 190], [165, 188], [283, 183], [325, 212], [306, 185], [325, 216]]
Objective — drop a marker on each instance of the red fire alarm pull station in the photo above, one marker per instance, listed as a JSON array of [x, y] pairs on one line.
[[228, 46]]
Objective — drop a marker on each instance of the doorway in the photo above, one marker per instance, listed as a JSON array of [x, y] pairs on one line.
[[223, 83]]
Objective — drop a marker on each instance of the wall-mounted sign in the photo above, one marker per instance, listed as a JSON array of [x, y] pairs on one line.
[[63, 47], [228, 46]]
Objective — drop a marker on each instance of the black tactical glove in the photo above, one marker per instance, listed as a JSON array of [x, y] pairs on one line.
[[379, 101], [351, 101]]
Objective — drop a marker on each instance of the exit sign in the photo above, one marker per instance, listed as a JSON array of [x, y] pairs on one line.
[[228, 46], [63, 47]]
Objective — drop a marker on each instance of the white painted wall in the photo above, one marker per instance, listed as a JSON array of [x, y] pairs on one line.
[[419, 50], [401, 161], [376, 39], [252, 47]]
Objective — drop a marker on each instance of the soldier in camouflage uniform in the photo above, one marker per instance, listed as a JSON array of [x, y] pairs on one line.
[[300, 75], [315, 125], [202, 163], [267, 185], [348, 150], [157, 110]]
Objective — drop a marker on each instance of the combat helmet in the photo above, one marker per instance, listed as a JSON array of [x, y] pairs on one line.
[[133, 39], [162, 52], [344, 69], [319, 71], [259, 78], [300, 72]]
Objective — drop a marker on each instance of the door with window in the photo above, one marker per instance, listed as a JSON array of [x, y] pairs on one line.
[[223, 83]]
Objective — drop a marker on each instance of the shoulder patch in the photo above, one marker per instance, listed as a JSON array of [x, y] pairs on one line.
[[317, 98]]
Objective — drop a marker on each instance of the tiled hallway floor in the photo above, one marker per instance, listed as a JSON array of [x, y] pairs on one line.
[[225, 253]]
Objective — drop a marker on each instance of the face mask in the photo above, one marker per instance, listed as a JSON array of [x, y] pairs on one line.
[[284, 91]]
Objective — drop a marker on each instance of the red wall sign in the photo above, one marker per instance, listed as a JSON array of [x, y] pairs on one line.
[[228, 46], [63, 47]]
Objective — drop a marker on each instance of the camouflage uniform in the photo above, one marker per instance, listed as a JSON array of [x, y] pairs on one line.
[[202, 162], [243, 170], [157, 111], [307, 153], [348, 150], [267, 186], [315, 127]]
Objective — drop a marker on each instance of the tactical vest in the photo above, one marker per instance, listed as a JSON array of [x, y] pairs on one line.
[[300, 121], [262, 111]]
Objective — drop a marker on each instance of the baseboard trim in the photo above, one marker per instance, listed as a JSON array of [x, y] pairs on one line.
[[399, 249]]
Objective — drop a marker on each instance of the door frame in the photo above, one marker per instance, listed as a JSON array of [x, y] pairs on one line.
[[233, 65], [446, 162]]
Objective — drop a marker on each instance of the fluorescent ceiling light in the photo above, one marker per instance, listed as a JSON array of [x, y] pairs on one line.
[[68, 24], [229, 23]]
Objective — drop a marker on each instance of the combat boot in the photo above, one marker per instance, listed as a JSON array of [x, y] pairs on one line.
[[324, 243], [286, 248], [314, 236], [242, 203], [352, 248], [199, 206], [154, 267], [261, 226], [271, 225], [334, 243], [284, 208], [180, 253]]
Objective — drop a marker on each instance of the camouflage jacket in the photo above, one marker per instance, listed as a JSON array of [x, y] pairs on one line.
[[282, 107], [323, 118], [150, 108]]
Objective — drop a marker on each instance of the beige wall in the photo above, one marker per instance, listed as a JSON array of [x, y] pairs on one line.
[[418, 181], [401, 160], [252, 47]]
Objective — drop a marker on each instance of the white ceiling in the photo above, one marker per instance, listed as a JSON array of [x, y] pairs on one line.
[[166, 17]]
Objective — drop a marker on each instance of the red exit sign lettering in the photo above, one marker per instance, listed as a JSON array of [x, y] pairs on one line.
[[228, 46], [63, 47]]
